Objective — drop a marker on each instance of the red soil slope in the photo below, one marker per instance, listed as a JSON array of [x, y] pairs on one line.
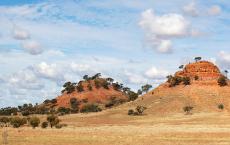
[[100, 96]]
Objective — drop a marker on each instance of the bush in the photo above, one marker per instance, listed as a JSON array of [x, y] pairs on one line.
[[90, 108], [74, 105], [34, 121], [188, 109], [140, 109], [58, 126], [53, 120], [4, 120], [175, 81], [16, 122], [80, 87], [97, 83], [196, 78], [222, 81], [131, 112], [63, 110], [44, 124], [221, 106], [113, 102], [186, 81], [89, 86], [132, 96]]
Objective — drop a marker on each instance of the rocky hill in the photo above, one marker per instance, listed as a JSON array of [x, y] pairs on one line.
[[96, 92], [201, 92]]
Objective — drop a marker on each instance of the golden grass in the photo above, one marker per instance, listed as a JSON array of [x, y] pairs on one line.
[[105, 129]]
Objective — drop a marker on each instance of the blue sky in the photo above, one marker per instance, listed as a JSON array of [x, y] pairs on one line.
[[45, 43]]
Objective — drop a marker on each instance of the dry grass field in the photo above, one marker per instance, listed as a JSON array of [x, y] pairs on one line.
[[110, 128]]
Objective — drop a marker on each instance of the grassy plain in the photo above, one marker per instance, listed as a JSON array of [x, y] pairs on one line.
[[112, 128]]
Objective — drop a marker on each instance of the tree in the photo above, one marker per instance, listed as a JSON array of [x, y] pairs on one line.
[[126, 89], [169, 78], [139, 92], [74, 105], [132, 96], [89, 86], [196, 77], [68, 87], [105, 84], [90, 108], [130, 112], [222, 81], [16, 122], [97, 83], [80, 87], [186, 80], [140, 109], [34, 121], [146, 88], [110, 80], [175, 81], [181, 66], [226, 73], [53, 120], [197, 59], [221, 106], [44, 124], [86, 77], [96, 76]]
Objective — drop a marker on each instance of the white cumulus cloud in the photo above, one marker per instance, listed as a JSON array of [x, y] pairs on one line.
[[156, 73], [161, 29], [32, 47], [191, 9]]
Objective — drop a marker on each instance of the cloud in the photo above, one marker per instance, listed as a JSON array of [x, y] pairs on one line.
[[24, 79], [160, 29], [32, 47], [224, 59], [214, 10], [20, 34], [134, 78], [155, 73], [191, 9], [49, 71]]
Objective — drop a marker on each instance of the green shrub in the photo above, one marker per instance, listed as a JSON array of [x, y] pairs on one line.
[[58, 126], [16, 122], [140, 109], [34, 121], [196, 77], [175, 81], [113, 102], [130, 112], [222, 81], [186, 81], [90, 108], [63, 110], [221, 106], [4, 120], [53, 120], [89, 86], [188, 109], [44, 124], [132, 96]]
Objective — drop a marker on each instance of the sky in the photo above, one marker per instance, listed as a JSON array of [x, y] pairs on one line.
[[46, 43]]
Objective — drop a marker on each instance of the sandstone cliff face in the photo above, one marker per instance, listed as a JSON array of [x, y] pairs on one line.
[[204, 70]]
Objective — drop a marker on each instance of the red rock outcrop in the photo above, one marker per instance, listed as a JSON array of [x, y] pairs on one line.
[[203, 69]]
